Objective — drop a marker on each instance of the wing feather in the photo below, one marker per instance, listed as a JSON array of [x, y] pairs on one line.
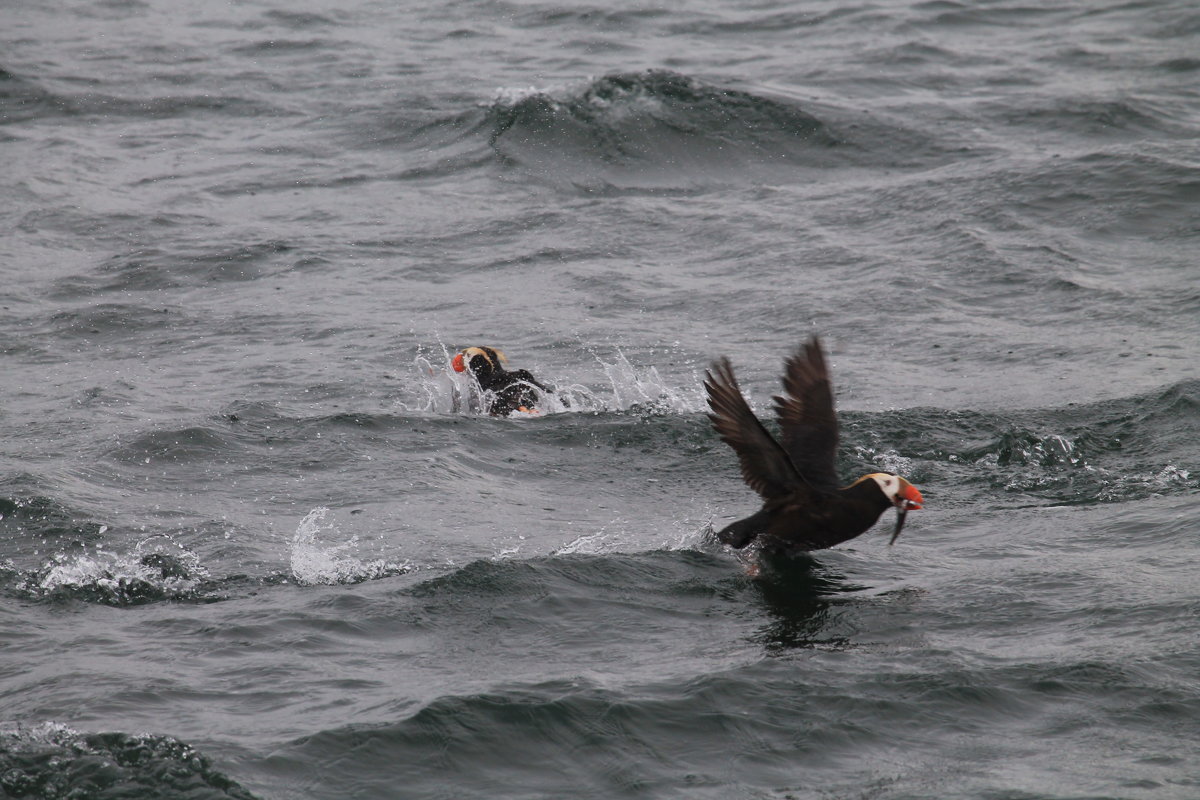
[[765, 465], [807, 417]]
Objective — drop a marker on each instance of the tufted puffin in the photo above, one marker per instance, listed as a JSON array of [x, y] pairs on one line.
[[508, 391], [804, 505]]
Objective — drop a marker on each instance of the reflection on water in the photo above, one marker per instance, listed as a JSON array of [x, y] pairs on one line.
[[799, 593]]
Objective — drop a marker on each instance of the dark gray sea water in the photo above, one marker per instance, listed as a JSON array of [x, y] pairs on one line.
[[251, 544]]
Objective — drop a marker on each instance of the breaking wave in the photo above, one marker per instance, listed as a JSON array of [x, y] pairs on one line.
[[50, 760]]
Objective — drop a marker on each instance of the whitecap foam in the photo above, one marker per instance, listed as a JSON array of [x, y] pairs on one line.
[[512, 96], [1171, 475], [1053, 465], [556, 93], [43, 733], [888, 460], [157, 568], [1119, 487]]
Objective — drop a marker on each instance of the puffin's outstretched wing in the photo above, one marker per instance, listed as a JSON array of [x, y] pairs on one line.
[[807, 418], [766, 468]]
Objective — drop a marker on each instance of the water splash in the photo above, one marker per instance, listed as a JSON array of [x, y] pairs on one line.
[[441, 390], [620, 536], [625, 387], [156, 569], [642, 387], [315, 564]]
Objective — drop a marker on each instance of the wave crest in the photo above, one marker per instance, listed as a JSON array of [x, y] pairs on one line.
[[655, 129]]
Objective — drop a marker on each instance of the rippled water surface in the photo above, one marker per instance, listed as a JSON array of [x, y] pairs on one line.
[[255, 541]]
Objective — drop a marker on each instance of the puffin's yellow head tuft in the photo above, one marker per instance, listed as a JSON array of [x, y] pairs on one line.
[[492, 359]]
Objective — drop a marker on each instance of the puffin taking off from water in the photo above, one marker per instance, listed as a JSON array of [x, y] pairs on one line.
[[804, 505], [508, 391]]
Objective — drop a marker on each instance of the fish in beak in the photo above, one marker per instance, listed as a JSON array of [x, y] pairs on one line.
[[907, 499]]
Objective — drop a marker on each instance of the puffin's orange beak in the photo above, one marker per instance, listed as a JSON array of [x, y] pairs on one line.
[[457, 363], [912, 496]]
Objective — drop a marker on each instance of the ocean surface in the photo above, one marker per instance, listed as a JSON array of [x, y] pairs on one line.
[[253, 545]]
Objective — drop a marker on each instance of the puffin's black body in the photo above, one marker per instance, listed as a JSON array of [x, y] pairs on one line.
[[804, 507], [509, 391]]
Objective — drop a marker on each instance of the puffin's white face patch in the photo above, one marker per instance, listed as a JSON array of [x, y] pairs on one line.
[[890, 484]]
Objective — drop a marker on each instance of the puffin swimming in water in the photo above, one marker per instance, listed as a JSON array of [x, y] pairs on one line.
[[805, 507], [508, 391]]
